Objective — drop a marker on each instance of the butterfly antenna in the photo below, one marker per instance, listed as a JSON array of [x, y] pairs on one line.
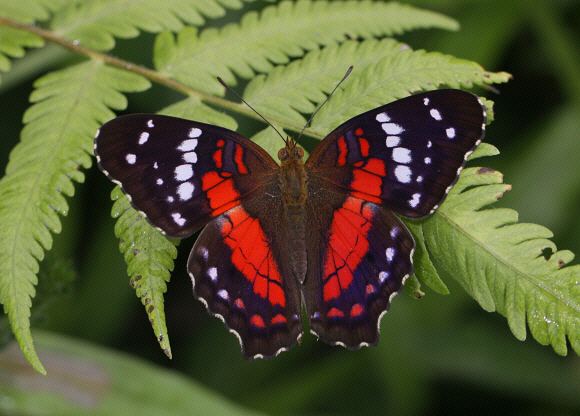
[[309, 122], [221, 81]]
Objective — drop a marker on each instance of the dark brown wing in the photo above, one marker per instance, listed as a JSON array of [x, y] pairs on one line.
[[181, 173]]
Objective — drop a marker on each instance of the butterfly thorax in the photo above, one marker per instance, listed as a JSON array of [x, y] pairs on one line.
[[293, 186], [293, 177]]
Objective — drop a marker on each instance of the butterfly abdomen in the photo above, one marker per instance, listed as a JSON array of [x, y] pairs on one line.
[[293, 185]]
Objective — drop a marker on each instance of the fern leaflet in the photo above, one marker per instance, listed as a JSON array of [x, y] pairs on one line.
[[96, 23], [282, 31], [384, 71], [13, 42], [500, 261], [56, 144]]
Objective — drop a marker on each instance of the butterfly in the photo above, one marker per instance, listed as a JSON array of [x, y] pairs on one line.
[[318, 239]]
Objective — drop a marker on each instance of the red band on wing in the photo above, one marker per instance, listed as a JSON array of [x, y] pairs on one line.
[[220, 191], [364, 146], [257, 321], [367, 180], [342, 151], [347, 245], [279, 319], [252, 256], [239, 159]]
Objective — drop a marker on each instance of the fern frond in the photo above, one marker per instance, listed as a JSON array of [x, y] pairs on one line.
[[29, 11], [56, 143], [96, 23], [13, 42], [384, 71], [283, 31], [150, 255], [500, 262]]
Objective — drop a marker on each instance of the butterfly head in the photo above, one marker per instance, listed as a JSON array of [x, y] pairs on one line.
[[290, 153]]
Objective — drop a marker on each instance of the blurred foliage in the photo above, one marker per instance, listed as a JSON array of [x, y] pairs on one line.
[[441, 355]]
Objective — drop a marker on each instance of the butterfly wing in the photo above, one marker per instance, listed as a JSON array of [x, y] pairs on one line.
[[405, 155], [181, 173], [402, 157], [359, 256], [241, 271]]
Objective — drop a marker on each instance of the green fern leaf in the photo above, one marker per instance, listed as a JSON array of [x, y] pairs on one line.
[[56, 144], [150, 255], [499, 261], [29, 11], [384, 71], [96, 23], [283, 31], [13, 42]]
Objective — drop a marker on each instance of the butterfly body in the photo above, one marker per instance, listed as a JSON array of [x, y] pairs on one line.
[[317, 238]]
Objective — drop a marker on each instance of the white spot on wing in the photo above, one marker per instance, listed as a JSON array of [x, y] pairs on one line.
[[183, 172], [187, 145], [155, 166], [414, 201], [222, 293], [159, 181], [429, 144], [392, 128], [403, 174], [383, 117], [150, 124], [450, 132], [394, 232], [401, 155], [427, 160], [143, 137], [190, 157], [178, 219], [435, 114], [393, 141], [170, 199], [212, 273], [419, 179], [194, 132], [390, 254], [204, 253], [131, 158], [383, 276], [185, 191], [425, 101]]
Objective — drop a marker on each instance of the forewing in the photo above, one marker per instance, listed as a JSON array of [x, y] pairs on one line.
[[359, 257], [405, 155], [240, 269], [180, 173]]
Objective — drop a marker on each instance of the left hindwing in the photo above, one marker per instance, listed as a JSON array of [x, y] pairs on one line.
[[405, 155]]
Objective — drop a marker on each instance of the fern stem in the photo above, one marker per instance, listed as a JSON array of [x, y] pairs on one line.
[[145, 72]]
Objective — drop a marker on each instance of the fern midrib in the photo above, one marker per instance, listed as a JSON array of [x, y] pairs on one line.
[[34, 185], [495, 255]]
